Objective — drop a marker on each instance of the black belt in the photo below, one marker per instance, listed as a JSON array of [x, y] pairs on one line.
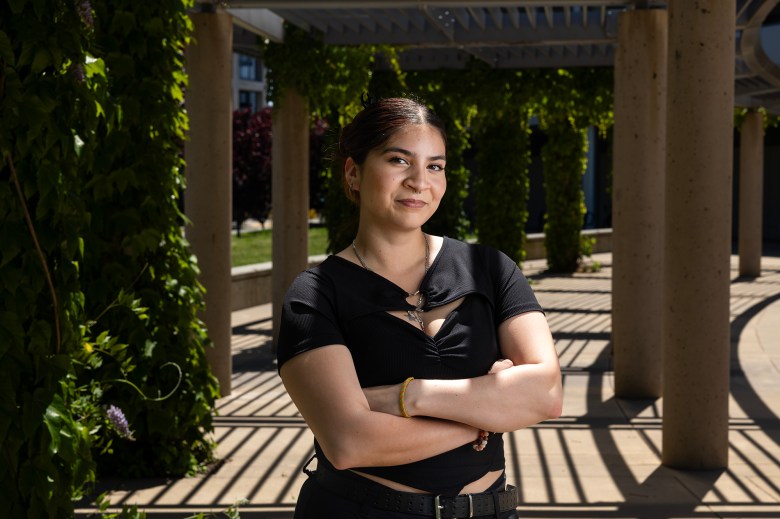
[[384, 498]]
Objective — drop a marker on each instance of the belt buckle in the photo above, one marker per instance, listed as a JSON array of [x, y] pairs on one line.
[[437, 507]]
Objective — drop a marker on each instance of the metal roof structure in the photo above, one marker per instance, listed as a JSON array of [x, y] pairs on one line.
[[513, 33]]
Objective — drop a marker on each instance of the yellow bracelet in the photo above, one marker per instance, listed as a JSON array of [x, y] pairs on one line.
[[401, 397]]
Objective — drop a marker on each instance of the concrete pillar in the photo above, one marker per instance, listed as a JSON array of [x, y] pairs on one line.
[[639, 154], [751, 193], [208, 154], [589, 181], [700, 104], [290, 196]]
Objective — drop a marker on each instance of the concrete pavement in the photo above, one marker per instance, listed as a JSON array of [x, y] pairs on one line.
[[600, 459]]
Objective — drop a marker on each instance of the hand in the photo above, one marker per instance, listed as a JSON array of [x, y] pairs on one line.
[[482, 436], [500, 365]]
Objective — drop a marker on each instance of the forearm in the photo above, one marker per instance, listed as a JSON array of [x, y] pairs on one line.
[[372, 439], [505, 401]]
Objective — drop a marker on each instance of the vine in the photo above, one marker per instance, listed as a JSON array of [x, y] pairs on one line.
[[564, 166], [470, 101], [134, 242], [34, 237], [502, 187], [571, 101], [333, 81], [45, 456], [90, 176]]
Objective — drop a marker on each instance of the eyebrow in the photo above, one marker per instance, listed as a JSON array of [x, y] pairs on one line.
[[408, 153]]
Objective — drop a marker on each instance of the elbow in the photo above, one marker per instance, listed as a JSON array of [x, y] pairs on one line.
[[555, 400], [549, 404], [340, 458], [555, 407], [342, 454]]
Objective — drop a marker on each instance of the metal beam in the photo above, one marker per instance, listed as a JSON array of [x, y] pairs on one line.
[[751, 49], [262, 22], [416, 4]]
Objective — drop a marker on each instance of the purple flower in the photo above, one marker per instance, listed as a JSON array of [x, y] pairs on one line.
[[118, 420], [84, 8], [78, 73]]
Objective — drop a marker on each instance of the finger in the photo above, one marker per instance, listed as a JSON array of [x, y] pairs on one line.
[[500, 365]]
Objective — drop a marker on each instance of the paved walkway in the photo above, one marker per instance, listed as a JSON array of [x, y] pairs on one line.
[[600, 459]]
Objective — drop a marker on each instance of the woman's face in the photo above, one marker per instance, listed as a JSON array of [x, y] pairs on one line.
[[402, 182]]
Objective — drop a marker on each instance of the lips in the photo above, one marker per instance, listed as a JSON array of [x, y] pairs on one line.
[[412, 203]]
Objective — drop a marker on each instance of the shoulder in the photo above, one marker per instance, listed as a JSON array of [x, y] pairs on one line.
[[322, 278], [476, 255]]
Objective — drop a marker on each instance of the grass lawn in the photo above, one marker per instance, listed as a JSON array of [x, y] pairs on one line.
[[255, 247]]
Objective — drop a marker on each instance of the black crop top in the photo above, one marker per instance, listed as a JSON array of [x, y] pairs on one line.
[[339, 302]]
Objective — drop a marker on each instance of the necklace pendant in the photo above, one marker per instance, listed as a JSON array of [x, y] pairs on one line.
[[414, 317]]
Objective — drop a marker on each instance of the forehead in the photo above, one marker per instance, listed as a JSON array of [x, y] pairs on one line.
[[415, 136]]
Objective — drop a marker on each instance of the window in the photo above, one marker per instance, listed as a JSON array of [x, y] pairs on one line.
[[247, 99], [247, 68]]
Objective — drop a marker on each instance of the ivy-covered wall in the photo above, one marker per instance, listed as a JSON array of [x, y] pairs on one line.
[[134, 242], [44, 105], [479, 104], [101, 355]]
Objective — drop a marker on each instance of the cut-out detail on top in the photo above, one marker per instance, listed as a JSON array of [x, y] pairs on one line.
[[433, 319]]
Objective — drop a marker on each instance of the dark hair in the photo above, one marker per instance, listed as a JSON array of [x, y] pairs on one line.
[[377, 123]]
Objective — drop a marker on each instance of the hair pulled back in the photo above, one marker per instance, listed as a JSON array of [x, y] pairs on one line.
[[376, 124]]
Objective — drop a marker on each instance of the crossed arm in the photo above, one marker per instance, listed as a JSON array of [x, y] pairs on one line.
[[359, 427]]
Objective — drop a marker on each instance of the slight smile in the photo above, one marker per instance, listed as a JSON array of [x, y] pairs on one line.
[[413, 203]]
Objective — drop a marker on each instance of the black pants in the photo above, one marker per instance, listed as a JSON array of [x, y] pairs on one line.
[[315, 502]]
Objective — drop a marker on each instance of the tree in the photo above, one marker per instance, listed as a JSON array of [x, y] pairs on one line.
[[252, 143]]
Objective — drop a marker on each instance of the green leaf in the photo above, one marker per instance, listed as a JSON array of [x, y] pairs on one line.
[[6, 49], [16, 6], [94, 67], [149, 348], [41, 60], [10, 322], [53, 418]]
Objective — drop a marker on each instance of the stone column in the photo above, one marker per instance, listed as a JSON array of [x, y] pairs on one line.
[[638, 202], [290, 196], [700, 106], [751, 193], [208, 154]]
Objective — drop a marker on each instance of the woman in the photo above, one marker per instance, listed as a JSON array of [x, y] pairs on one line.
[[407, 354]]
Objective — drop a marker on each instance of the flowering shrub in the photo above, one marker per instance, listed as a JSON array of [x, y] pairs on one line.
[[252, 143]]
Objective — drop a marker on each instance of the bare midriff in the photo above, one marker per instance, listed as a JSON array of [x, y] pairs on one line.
[[474, 487]]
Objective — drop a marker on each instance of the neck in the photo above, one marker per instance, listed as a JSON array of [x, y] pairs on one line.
[[393, 254]]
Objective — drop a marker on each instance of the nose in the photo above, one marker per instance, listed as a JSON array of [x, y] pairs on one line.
[[417, 178]]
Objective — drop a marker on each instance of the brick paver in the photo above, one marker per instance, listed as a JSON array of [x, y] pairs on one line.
[[601, 458]]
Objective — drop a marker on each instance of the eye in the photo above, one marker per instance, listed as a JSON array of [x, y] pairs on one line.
[[395, 159], [437, 167]]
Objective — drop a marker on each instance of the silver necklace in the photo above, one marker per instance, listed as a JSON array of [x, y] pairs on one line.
[[411, 315]]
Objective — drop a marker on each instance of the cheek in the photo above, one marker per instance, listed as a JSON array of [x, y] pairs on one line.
[[441, 184]]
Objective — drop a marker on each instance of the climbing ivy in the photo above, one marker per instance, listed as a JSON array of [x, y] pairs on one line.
[[442, 91], [502, 186], [333, 80], [46, 106], [97, 290], [564, 165], [333, 77], [134, 241], [474, 103], [571, 101]]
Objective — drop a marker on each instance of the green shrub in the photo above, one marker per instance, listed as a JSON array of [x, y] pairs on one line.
[[503, 185], [565, 160]]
